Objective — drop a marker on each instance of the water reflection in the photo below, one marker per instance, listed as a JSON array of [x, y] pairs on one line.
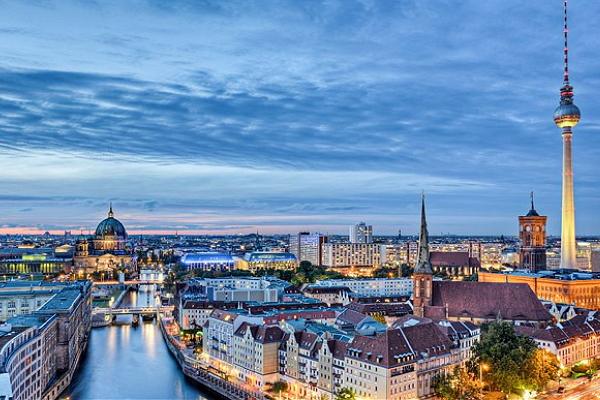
[[125, 362]]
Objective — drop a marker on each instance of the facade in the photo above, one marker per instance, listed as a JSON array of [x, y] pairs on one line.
[[454, 263], [208, 261], [24, 297], [307, 246], [106, 250], [231, 289], [560, 286], [330, 295], [40, 352], [532, 234], [261, 261], [573, 341], [352, 258], [361, 233], [35, 264], [373, 287], [256, 354]]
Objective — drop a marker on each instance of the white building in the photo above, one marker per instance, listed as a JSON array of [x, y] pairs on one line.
[[348, 255], [361, 233], [375, 287], [23, 297]]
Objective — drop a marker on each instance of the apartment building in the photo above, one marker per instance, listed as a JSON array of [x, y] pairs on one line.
[[572, 341], [373, 287], [256, 354], [24, 297], [357, 256], [307, 246], [39, 352]]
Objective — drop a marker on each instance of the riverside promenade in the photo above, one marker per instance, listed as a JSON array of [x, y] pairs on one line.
[[193, 369]]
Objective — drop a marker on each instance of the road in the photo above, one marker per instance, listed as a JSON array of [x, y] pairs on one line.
[[586, 391]]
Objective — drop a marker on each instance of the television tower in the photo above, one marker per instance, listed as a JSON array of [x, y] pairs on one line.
[[566, 116]]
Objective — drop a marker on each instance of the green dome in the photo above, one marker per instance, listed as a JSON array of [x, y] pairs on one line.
[[111, 227]]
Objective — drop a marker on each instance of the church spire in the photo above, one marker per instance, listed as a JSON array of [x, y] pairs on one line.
[[423, 259], [110, 211]]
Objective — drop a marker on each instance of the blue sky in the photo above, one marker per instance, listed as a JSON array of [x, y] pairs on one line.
[[212, 116]]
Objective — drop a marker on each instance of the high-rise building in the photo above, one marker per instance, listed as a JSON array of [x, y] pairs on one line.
[[352, 255], [361, 233], [532, 233], [566, 116], [307, 246]]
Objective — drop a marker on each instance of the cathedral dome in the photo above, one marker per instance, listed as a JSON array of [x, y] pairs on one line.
[[111, 227]]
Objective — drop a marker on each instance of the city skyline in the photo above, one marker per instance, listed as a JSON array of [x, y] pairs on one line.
[[191, 132]]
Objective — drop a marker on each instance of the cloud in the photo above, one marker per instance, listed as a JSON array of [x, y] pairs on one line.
[[315, 112]]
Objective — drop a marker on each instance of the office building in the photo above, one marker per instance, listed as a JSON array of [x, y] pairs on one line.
[[361, 233], [308, 247]]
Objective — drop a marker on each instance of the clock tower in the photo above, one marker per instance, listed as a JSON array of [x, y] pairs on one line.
[[532, 233]]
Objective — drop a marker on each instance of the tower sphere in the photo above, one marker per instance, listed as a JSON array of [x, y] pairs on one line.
[[566, 115]]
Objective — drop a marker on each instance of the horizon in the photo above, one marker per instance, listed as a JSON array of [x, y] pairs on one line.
[[201, 133]]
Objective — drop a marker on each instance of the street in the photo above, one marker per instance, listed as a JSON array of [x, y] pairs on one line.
[[586, 391]]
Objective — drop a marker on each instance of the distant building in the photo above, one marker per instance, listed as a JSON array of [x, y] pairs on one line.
[[208, 261], [371, 286], [361, 233], [308, 247], [475, 302], [258, 261], [532, 234], [352, 258], [455, 263], [106, 250], [559, 286]]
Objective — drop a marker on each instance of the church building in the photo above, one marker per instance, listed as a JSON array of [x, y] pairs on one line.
[[105, 251], [476, 302]]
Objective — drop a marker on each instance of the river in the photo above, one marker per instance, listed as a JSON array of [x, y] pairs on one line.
[[125, 362]]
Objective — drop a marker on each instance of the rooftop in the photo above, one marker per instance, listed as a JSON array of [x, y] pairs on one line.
[[62, 301], [211, 257]]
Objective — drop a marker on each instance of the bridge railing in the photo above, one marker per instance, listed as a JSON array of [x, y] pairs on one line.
[[131, 310]]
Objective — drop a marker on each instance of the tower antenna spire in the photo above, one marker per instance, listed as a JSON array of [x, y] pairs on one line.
[[566, 116], [532, 206], [566, 50]]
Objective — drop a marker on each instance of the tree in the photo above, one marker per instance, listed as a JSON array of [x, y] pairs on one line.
[[542, 367], [406, 271], [279, 387], [385, 272], [345, 394], [511, 359], [460, 385]]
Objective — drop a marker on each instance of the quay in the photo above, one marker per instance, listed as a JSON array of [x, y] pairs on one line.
[[193, 369]]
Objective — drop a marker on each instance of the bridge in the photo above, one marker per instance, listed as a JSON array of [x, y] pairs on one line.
[[132, 310], [129, 283]]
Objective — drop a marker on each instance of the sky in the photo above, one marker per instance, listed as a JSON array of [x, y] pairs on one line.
[[279, 116]]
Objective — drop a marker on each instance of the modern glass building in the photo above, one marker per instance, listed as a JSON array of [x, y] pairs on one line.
[[208, 261]]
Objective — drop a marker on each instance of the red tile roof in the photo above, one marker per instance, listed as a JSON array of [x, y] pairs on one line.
[[486, 300]]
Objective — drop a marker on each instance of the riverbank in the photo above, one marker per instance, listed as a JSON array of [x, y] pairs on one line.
[[195, 370], [127, 362]]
